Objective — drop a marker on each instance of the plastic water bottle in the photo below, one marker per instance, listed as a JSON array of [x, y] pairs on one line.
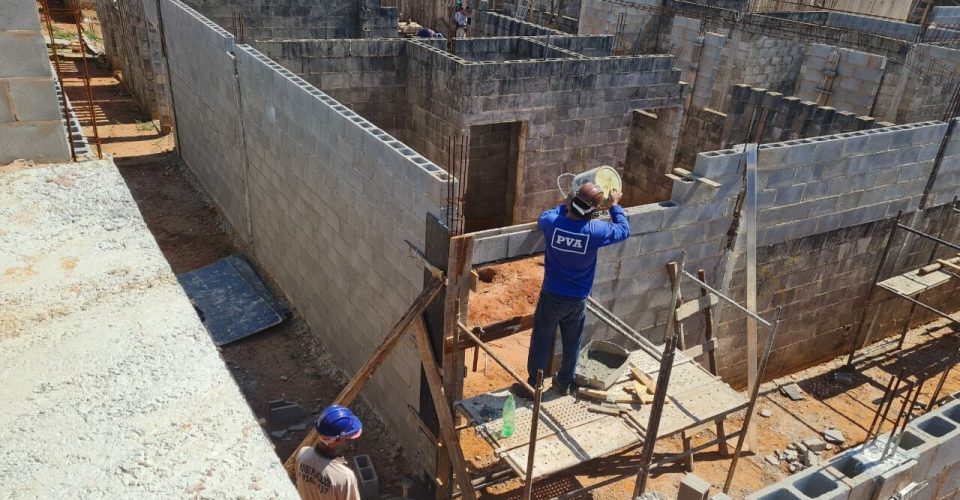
[[509, 409]]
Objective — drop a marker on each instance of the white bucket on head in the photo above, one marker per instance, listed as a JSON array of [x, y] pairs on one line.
[[605, 177]]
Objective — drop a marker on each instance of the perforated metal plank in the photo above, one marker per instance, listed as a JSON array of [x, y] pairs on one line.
[[692, 408], [572, 447], [911, 283], [556, 413]]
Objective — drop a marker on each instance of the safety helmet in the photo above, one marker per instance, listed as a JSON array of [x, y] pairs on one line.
[[587, 199], [338, 422]]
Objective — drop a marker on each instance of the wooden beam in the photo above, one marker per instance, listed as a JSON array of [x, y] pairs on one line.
[[516, 376], [949, 264], [688, 309], [498, 330], [448, 431], [353, 388]]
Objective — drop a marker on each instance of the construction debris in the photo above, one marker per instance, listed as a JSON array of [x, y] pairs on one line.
[[833, 436], [281, 412], [792, 391]]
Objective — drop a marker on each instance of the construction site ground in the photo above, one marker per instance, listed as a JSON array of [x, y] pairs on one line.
[[511, 289], [286, 363]]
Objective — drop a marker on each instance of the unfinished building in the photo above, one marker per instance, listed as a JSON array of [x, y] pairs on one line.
[[332, 145]]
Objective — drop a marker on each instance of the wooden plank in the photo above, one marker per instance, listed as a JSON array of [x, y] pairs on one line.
[[696, 177], [499, 330], [353, 388], [644, 379], [694, 351], [448, 431], [949, 264], [688, 309]]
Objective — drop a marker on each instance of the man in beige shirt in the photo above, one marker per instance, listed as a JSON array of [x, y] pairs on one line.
[[321, 473]]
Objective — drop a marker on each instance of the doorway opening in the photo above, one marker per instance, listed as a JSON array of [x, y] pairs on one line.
[[494, 175]]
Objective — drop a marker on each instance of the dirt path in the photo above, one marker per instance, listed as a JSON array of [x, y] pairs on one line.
[[511, 289], [282, 363]]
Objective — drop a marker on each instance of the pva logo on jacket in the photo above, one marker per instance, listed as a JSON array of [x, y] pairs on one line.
[[565, 241]]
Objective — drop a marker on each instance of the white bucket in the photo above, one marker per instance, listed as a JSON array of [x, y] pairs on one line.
[[605, 177]]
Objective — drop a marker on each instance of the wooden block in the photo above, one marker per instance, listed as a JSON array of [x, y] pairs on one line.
[[644, 379], [929, 268], [604, 409], [696, 177], [593, 394]]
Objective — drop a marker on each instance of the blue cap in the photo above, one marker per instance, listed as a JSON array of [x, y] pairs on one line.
[[338, 422]]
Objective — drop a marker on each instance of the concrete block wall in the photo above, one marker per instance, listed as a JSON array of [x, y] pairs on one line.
[[935, 75], [702, 131], [132, 44], [295, 19], [764, 61], [210, 141], [321, 195], [944, 15], [490, 23], [368, 76], [879, 26], [824, 207], [578, 112], [561, 15], [852, 78], [600, 17], [31, 120], [331, 209], [650, 156], [946, 184], [788, 118]]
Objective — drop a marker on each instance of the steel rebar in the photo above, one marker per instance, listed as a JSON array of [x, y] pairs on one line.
[[909, 416], [537, 397], [896, 423], [893, 395], [752, 405], [883, 401], [873, 287], [943, 378]]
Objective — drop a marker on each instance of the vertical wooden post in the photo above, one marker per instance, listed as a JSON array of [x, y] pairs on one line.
[[448, 429], [454, 255]]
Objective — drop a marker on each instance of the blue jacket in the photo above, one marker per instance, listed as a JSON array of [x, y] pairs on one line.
[[571, 248]]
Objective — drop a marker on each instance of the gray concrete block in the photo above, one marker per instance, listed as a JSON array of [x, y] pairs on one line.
[[31, 54], [42, 142], [35, 99], [19, 15], [693, 488]]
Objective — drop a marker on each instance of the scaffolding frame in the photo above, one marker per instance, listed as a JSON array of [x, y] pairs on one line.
[[864, 338]]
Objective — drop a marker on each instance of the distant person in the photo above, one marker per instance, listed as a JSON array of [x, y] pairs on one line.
[[429, 33], [573, 236], [321, 473], [460, 20]]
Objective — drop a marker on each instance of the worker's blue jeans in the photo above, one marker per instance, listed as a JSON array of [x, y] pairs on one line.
[[567, 313]]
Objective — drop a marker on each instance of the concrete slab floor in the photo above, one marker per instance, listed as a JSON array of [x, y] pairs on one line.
[[111, 383]]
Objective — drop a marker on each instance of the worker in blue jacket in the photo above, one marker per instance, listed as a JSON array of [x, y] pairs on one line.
[[572, 235]]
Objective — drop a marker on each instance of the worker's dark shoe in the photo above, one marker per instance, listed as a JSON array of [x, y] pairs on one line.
[[562, 389], [520, 391]]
